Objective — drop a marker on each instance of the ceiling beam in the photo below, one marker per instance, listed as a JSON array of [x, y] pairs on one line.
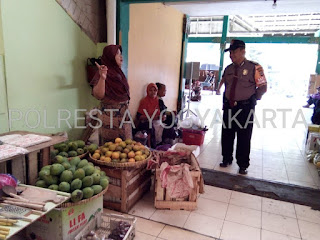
[[238, 20]]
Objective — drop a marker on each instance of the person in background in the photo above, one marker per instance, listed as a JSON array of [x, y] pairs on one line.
[[315, 100], [245, 83], [209, 80], [111, 87], [149, 104], [162, 90], [167, 134]]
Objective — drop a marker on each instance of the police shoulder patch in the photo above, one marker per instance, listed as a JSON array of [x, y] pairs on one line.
[[253, 62]]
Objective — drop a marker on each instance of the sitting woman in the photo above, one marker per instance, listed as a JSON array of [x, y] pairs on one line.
[[149, 105], [208, 81], [315, 100], [168, 133]]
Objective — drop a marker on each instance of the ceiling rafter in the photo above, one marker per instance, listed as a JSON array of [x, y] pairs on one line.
[[291, 24]]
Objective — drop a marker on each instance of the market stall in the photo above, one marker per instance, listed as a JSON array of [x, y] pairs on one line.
[[24, 153], [125, 163], [19, 211], [114, 175]]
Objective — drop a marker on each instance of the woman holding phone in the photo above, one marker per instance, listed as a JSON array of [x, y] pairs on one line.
[[110, 86]]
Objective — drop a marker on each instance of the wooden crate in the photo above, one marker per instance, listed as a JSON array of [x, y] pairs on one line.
[[26, 167], [126, 187], [163, 200]]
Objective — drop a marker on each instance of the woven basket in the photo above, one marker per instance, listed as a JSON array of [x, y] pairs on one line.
[[138, 164], [71, 204], [80, 156]]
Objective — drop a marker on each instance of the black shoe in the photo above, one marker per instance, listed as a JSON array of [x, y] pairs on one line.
[[225, 164], [243, 171]]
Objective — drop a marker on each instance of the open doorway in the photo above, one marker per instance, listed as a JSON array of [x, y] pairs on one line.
[[287, 66]]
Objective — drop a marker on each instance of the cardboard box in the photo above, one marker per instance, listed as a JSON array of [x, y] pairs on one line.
[[65, 223], [313, 142], [313, 128], [314, 82], [163, 199]]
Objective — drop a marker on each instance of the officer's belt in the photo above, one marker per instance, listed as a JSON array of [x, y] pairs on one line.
[[242, 102]]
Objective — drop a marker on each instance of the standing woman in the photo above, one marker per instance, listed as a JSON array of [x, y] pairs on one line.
[[110, 86]]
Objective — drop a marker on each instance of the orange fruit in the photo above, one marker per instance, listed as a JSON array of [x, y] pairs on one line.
[[122, 144], [129, 147], [137, 158], [97, 151], [115, 155], [142, 147], [123, 155], [126, 150], [128, 141], [107, 159], [131, 154], [96, 156], [138, 153], [104, 150], [119, 148], [136, 148], [108, 153], [131, 160], [102, 158], [112, 147], [118, 140]]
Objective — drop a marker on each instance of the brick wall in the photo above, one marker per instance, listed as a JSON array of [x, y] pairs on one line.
[[89, 15]]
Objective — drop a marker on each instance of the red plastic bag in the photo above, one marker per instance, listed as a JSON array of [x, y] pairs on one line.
[[7, 179]]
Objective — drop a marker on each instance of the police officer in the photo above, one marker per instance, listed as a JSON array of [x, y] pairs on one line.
[[245, 83]]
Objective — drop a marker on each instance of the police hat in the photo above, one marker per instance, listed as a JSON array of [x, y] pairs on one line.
[[235, 43]]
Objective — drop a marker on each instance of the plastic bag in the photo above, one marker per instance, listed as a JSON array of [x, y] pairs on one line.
[[7, 179], [310, 155], [141, 136]]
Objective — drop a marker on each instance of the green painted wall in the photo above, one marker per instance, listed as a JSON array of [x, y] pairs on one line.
[[4, 127], [1, 35], [100, 47], [45, 58]]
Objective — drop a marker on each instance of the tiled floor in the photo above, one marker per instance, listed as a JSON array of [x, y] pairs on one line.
[[228, 215], [277, 155], [277, 152]]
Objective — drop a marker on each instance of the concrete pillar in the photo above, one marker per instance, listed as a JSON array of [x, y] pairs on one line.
[[111, 21]]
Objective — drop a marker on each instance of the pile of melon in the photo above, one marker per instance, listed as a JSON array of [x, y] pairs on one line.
[[121, 151], [69, 149], [79, 177]]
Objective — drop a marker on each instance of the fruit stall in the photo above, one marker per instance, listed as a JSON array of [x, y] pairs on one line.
[[24, 153], [66, 171], [125, 163], [114, 175]]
